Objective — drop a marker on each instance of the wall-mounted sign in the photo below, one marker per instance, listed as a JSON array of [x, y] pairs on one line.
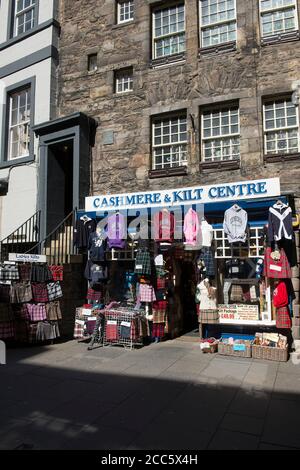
[[238, 312], [27, 258], [236, 191]]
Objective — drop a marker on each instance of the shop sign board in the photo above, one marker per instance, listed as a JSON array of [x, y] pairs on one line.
[[267, 187], [28, 258], [238, 312]]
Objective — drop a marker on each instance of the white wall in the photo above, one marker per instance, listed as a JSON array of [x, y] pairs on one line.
[[20, 203], [26, 47], [45, 14]]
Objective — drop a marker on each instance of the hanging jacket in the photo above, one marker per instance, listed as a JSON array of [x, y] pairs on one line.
[[116, 231], [164, 226], [235, 224], [280, 295], [280, 223], [82, 231], [191, 227], [96, 247]]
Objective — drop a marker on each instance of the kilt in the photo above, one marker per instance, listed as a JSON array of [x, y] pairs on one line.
[[283, 319], [208, 316], [276, 269], [161, 284], [21, 292], [39, 292], [158, 330], [53, 311], [159, 316], [25, 272], [57, 272], [32, 333], [54, 290], [78, 329]]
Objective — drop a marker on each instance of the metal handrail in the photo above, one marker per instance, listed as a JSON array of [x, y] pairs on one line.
[[23, 237], [58, 244]]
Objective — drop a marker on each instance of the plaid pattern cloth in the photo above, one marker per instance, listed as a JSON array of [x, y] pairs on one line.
[[236, 293], [143, 263], [158, 330], [53, 311], [161, 283], [54, 290], [7, 330], [6, 314], [147, 293], [208, 260], [47, 331], [57, 272], [78, 329], [40, 273], [276, 269], [159, 316], [4, 293], [9, 272], [21, 312], [21, 292], [39, 292], [111, 330], [208, 316], [32, 330], [25, 272], [94, 295], [283, 319], [37, 312]]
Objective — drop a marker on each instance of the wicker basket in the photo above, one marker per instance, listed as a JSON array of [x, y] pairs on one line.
[[270, 354], [227, 350], [213, 347]]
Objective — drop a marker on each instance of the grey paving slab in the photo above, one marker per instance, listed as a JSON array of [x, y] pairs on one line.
[[251, 403], [287, 386], [289, 367], [95, 437], [282, 423], [266, 446], [261, 376], [226, 371], [244, 424], [229, 440]]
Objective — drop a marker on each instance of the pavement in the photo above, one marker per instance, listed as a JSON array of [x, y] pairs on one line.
[[165, 396]]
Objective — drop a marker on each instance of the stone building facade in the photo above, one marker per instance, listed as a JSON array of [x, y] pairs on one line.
[[248, 72]]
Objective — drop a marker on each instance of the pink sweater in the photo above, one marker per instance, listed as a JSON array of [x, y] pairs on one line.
[[191, 227]]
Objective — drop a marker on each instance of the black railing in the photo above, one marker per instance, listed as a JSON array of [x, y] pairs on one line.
[[23, 238], [58, 246]]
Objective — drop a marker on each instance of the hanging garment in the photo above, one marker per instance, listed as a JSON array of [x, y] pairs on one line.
[[276, 269], [235, 269], [41, 273], [54, 290], [53, 311], [25, 272], [280, 302], [21, 312], [191, 228], [116, 231], [9, 272], [159, 312], [32, 330], [143, 263], [207, 233], [95, 272], [164, 226], [158, 330], [37, 312], [147, 293], [280, 223], [235, 224], [21, 292], [39, 292], [47, 331], [83, 228], [283, 319], [205, 262], [5, 293], [57, 272], [96, 247]]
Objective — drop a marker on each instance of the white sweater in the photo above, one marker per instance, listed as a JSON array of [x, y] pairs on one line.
[[235, 224]]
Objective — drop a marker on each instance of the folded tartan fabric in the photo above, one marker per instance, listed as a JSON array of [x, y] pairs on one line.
[[54, 290]]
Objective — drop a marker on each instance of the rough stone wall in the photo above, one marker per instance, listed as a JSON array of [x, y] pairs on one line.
[[247, 75]]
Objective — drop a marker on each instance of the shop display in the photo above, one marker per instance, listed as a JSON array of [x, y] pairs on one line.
[[280, 223], [235, 347], [31, 311], [281, 301], [276, 265], [164, 226], [191, 227], [209, 345], [235, 224], [270, 346]]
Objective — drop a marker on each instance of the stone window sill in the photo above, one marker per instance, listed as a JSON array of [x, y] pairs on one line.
[[169, 60], [282, 158], [222, 165], [17, 161], [280, 38], [122, 25], [228, 47], [178, 171]]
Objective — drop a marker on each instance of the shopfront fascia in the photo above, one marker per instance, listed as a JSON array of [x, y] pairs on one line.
[[255, 197]]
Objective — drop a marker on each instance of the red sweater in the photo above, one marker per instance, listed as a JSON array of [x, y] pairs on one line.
[[280, 295], [164, 226]]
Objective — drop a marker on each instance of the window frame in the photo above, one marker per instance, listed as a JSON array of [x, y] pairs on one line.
[[218, 23], [160, 118], [119, 3], [92, 54], [154, 38], [12, 23], [5, 156], [272, 10], [122, 71], [220, 108], [269, 100]]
